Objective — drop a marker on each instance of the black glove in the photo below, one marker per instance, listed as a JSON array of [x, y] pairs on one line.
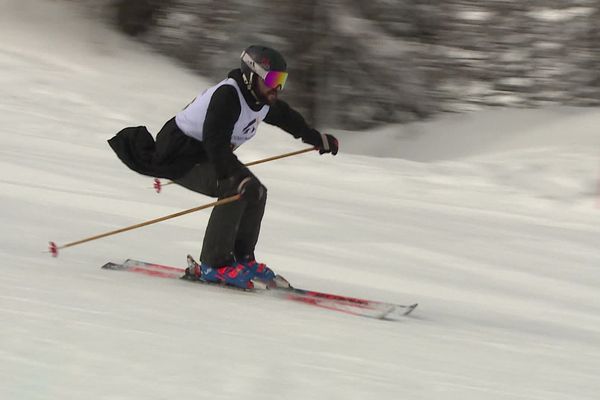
[[250, 188], [324, 142], [330, 144], [242, 183]]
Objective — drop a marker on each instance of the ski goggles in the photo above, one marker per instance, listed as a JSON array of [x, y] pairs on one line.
[[273, 79]]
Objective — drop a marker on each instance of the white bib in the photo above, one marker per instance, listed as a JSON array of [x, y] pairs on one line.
[[191, 119]]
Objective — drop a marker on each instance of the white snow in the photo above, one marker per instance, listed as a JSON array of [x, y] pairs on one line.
[[489, 220]]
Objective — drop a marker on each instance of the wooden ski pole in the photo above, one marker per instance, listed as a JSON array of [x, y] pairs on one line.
[[53, 248], [158, 185], [293, 153]]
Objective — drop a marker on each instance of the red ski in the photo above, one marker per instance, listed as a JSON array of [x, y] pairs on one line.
[[345, 304]]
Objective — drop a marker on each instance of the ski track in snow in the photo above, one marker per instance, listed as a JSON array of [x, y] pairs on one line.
[[491, 221]]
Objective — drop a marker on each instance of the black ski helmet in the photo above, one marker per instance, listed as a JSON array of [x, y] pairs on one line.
[[259, 60]]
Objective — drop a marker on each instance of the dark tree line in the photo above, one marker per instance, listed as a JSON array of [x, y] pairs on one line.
[[355, 64]]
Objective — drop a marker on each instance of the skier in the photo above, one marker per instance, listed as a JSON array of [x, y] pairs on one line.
[[195, 149]]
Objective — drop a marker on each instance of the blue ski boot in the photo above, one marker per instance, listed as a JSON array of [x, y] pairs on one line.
[[264, 274], [260, 271], [235, 275]]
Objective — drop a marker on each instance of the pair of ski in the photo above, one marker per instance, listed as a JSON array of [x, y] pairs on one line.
[[344, 304]]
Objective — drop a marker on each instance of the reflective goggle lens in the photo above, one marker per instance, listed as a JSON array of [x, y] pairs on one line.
[[276, 79]]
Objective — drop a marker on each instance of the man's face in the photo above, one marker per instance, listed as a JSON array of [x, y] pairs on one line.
[[265, 93]]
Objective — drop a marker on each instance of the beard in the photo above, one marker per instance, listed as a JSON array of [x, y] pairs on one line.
[[267, 98]]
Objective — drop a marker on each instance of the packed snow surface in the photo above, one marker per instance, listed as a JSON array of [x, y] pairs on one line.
[[490, 221]]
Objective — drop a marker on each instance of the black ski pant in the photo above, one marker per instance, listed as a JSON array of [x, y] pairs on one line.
[[233, 228]]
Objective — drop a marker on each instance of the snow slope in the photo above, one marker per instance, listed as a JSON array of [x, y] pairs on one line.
[[488, 220]]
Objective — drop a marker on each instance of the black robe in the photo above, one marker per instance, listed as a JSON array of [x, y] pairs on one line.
[[173, 153]]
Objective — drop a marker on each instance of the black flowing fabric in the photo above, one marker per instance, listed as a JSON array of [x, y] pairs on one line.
[[171, 156]]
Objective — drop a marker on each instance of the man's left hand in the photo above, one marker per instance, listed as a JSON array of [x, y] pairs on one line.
[[329, 144]]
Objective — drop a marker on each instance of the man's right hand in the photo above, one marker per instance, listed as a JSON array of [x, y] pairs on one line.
[[243, 183], [251, 188]]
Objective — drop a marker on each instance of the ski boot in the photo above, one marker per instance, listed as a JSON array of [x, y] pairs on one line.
[[264, 274], [234, 275], [260, 271]]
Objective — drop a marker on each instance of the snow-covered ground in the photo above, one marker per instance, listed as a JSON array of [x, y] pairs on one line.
[[490, 221]]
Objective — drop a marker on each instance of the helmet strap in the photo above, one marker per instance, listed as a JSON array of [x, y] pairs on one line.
[[247, 81], [249, 85]]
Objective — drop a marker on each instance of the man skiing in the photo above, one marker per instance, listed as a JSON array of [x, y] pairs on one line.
[[195, 149]]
